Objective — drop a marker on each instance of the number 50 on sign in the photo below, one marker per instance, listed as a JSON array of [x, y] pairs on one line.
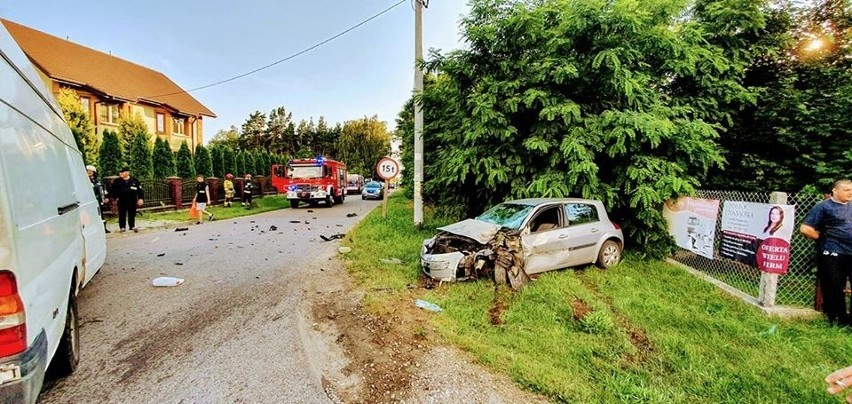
[[387, 168]]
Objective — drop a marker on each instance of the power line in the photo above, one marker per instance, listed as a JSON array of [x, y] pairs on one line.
[[302, 52]]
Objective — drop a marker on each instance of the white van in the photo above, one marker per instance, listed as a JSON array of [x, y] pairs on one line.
[[52, 239]]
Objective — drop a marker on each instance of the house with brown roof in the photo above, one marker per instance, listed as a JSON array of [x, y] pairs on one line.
[[111, 88]]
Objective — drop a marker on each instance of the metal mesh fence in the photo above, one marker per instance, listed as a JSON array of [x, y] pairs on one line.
[[796, 288]]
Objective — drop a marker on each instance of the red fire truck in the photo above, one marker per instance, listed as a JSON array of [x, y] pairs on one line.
[[311, 180]]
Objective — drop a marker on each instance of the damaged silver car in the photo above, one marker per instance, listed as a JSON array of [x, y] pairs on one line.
[[519, 238]]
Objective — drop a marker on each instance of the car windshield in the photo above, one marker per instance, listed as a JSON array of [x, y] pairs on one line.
[[374, 185], [508, 215], [306, 171]]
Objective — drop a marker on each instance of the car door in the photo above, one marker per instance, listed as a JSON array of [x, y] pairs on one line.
[[582, 233], [542, 240]]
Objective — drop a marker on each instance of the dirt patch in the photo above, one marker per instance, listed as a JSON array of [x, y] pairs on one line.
[[644, 348], [499, 305], [383, 350], [580, 309]]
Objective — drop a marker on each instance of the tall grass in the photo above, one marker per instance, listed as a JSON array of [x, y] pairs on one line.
[[644, 331]]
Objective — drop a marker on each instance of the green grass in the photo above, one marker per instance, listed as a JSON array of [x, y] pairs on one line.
[[650, 331], [265, 204]]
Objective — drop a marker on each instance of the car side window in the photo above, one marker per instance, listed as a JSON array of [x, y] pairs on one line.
[[580, 213], [546, 219]]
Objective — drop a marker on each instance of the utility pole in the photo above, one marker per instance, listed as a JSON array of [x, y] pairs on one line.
[[418, 112]]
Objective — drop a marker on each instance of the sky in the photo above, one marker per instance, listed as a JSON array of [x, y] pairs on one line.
[[366, 72]]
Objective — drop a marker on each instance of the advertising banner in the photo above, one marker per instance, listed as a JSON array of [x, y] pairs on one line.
[[692, 223], [757, 234]]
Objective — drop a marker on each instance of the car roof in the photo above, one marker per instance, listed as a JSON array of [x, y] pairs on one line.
[[544, 201]]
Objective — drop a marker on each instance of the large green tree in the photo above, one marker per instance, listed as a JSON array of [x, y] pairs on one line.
[[253, 134], [129, 128], [217, 158], [140, 157], [164, 159], [798, 134], [242, 168], [80, 124], [362, 143], [617, 100], [110, 155], [203, 163], [229, 159], [227, 137], [185, 164]]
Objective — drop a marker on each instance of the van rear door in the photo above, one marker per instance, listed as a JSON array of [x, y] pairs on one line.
[[44, 218]]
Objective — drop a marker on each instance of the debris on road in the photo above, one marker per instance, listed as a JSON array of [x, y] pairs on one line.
[[351, 214], [161, 255], [310, 211], [337, 236], [182, 229], [273, 228], [344, 250], [427, 305], [394, 261], [295, 221], [166, 281], [178, 263]]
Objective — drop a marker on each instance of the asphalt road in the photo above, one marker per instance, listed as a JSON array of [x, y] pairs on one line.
[[230, 333]]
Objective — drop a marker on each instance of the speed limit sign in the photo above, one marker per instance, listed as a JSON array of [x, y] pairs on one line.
[[387, 168]]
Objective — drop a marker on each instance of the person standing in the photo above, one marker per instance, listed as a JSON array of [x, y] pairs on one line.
[[202, 190], [98, 188], [128, 195], [229, 189], [829, 223], [248, 188]]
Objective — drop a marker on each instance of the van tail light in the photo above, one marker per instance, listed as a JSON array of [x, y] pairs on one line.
[[617, 227], [13, 327]]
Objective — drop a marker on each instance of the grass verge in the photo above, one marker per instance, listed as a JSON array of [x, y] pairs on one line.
[[644, 331], [265, 204]]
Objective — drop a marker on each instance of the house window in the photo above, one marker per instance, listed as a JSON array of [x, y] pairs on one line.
[[161, 122], [85, 102], [178, 126], [109, 114]]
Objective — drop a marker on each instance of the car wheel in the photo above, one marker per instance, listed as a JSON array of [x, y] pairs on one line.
[[363, 197], [609, 255], [294, 204], [68, 353]]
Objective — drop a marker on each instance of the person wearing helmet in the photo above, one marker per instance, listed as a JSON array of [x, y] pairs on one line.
[[100, 191], [229, 189], [248, 188]]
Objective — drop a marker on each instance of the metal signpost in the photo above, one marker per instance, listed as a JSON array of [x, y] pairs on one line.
[[388, 169]]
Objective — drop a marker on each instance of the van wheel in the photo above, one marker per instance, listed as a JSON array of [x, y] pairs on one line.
[[68, 353], [294, 204], [609, 255], [339, 199]]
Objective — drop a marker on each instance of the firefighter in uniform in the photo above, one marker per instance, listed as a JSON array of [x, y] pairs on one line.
[[127, 193], [248, 188]]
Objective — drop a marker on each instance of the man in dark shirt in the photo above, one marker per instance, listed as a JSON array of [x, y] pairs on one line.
[[830, 224], [128, 194]]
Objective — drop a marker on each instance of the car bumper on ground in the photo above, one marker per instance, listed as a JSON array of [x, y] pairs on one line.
[[22, 375]]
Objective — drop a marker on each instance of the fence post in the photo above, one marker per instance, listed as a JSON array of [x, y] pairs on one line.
[[261, 183], [769, 282], [213, 183], [175, 189]]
